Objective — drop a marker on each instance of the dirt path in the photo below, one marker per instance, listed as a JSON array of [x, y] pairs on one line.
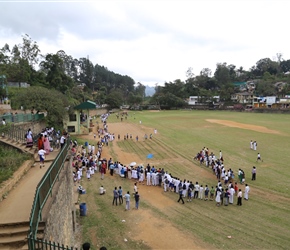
[[244, 126]]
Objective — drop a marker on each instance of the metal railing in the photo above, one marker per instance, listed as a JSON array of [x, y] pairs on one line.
[[43, 191], [17, 133], [44, 244], [17, 118]]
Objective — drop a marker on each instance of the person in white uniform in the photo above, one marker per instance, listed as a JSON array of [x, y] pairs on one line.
[[246, 193]]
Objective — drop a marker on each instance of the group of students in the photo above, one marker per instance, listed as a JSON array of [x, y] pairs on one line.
[[222, 193], [43, 142]]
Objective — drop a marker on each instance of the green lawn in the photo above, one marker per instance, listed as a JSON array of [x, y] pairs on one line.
[[261, 223]]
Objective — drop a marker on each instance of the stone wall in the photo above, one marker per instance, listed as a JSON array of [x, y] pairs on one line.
[[36, 127], [61, 216]]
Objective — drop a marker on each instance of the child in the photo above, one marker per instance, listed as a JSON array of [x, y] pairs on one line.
[[41, 154]]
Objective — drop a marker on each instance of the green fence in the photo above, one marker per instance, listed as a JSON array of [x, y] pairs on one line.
[[17, 132], [16, 118], [43, 191]]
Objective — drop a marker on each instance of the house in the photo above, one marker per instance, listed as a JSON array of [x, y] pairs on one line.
[[201, 100], [248, 86], [285, 102], [241, 86], [193, 100], [280, 85], [243, 98], [265, 102]]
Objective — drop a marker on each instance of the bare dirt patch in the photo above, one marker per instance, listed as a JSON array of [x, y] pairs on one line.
[[160, 234], [244, 126]]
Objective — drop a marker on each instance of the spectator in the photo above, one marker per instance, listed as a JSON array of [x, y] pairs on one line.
[[86, 246]]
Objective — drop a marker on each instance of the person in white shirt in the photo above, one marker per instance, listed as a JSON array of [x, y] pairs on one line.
[[196, 190], [102, 190], [148, 176], [201, 192], [231, 197], [41, 154], [259, 158], [246, 193], [62, 140], [255, 145], [79, 174]]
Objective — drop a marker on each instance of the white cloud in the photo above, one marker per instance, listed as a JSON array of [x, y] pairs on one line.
[[153, 41]]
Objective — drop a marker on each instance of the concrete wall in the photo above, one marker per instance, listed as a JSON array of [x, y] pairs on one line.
[[61, 217]]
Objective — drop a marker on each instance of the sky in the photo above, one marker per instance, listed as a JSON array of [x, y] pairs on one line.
[[153, 41]]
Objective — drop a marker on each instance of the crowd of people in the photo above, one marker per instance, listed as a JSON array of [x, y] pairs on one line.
[[44, 142], [224, 192]]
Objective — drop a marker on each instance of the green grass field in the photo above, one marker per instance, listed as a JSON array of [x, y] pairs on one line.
[[261, 223]]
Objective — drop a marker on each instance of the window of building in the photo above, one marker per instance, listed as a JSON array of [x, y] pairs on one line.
[[73, 118], [71, 129]]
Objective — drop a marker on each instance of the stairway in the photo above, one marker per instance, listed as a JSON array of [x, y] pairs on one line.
[[19, 144], [14, 235]]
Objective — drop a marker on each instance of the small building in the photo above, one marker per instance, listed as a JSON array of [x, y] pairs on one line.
[[265, 102], [79, 122], [201, 100], [285, 102], [193, 100], [243, 98]]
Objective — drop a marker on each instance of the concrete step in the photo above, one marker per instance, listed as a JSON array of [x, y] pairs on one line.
[[14, 235]]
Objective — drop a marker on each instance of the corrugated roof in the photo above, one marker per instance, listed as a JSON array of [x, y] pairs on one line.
[[86, 105]]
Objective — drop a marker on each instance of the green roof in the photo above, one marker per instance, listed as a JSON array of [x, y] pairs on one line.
[[240, 83], [86, 105]]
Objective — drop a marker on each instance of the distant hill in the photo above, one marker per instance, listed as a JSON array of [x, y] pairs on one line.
[[149, 91]]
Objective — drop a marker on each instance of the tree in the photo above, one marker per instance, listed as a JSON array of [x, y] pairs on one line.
[[176, 88], [114, 99], [86, 74], [222, 74], [226, 91], [43, 100], [140, 89], [189, 73], [285, 66], [170, 101], [54, 67], [29, 50], [265, 88], [266, 64]]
